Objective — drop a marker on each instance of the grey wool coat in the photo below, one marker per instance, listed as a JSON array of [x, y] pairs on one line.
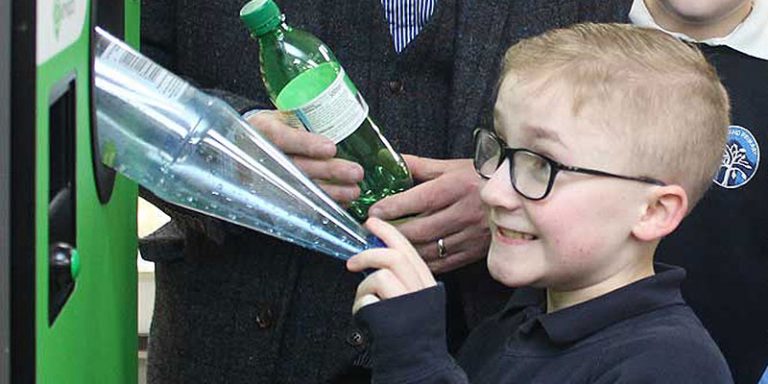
[[234, 306]]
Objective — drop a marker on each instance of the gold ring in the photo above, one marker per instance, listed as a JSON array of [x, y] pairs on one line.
[[442, 253]]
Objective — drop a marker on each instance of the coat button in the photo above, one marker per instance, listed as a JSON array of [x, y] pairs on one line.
[[355, 339], [264, 318], [396, 86]]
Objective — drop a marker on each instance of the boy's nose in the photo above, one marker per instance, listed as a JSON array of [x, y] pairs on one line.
[[498, 191]]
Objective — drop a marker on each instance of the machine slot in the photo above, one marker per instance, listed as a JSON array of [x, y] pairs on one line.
[[62, 203]]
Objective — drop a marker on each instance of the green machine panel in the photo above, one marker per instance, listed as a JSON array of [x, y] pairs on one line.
[[71, 288]]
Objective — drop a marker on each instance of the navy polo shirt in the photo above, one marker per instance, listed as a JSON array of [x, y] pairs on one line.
[[641, 333]]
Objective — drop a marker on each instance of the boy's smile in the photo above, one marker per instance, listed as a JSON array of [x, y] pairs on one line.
[[511, 236]]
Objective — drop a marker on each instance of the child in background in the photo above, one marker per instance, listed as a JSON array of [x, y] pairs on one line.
[[723, 244], [605, 136]]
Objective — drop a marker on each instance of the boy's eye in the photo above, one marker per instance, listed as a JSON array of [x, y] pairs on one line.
[[539, 168]]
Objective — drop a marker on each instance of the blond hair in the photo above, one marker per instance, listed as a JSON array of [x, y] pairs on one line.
[[670, 104]]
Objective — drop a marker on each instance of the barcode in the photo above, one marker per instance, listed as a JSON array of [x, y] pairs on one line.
[[166, 82]]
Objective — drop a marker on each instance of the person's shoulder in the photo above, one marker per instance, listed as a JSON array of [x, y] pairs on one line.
[[603, 11], [668, 345], [673, 329]]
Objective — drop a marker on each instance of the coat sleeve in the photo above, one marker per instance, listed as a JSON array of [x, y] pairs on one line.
[[408, 339], [159, 25]]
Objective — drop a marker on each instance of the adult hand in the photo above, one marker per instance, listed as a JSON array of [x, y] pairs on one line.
[[313, 154], [447, 206], [399, 268]]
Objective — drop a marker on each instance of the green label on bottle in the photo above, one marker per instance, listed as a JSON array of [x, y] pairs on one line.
[[325, 101]]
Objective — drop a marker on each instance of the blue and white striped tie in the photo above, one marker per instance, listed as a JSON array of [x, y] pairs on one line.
[[406, 18]]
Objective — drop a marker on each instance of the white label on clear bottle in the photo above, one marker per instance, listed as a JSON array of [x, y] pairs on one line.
[[336, 113], [168, 84]]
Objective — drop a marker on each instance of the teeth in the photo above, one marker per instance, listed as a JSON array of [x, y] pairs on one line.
[[514, 235]]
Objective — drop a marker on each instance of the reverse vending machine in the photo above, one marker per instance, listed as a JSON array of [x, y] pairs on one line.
[[67, 224]]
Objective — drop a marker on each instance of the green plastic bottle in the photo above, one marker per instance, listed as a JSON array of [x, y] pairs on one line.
[[305, 79]]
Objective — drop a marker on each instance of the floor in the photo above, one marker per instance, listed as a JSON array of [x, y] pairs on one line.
[[142, 367]]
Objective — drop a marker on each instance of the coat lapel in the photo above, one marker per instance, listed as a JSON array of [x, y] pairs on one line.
[[480, 36]]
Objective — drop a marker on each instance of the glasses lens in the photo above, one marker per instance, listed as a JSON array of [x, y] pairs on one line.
[[487, 153], [530, 174]]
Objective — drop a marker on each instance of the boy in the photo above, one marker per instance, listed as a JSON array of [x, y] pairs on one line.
[[607, 134], [723, 245]]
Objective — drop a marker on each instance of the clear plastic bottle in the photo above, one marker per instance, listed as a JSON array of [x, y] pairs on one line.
[[303, 77], [194, 150]]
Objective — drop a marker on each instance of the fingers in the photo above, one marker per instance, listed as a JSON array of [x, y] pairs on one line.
[[342, 194], [400, 270], [456, 261], [290, 140], [380, 285], [471, 237], [410, 271], [337, 171], [397, 242], [453, 245], [431, 195], [388, 282], [313, 154], [399, 250], [383, 284], [423, 168], [363, 301], [462, 226], [427, 197], [463, 214], [448, 207], [462, 248]]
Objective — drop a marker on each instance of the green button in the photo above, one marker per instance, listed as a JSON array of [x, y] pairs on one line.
[[74, 263]]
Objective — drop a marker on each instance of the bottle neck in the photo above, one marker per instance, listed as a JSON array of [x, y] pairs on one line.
[[279, 30]]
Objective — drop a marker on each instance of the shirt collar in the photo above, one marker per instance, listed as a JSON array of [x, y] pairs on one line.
[[579, 321], [750, 37], [524, 297]]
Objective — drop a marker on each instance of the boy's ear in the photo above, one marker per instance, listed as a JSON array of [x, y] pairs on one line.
[[665, 209]]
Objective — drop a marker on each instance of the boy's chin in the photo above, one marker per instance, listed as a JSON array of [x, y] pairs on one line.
[[508, 274]]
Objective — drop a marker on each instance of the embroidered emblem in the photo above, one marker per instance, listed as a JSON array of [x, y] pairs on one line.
[[741, 157]]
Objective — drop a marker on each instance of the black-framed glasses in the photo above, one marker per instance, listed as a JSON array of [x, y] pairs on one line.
[[532, 174]]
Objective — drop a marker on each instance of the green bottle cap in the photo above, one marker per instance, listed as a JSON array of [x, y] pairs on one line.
[[260, 16]]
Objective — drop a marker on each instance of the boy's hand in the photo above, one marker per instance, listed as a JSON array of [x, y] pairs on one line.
[[313, 154], [400, 269], [447, 205]]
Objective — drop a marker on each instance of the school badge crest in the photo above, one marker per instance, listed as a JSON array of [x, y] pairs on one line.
[[741, 157]]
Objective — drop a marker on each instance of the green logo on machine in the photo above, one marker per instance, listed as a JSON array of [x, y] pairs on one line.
[[61, 11]]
